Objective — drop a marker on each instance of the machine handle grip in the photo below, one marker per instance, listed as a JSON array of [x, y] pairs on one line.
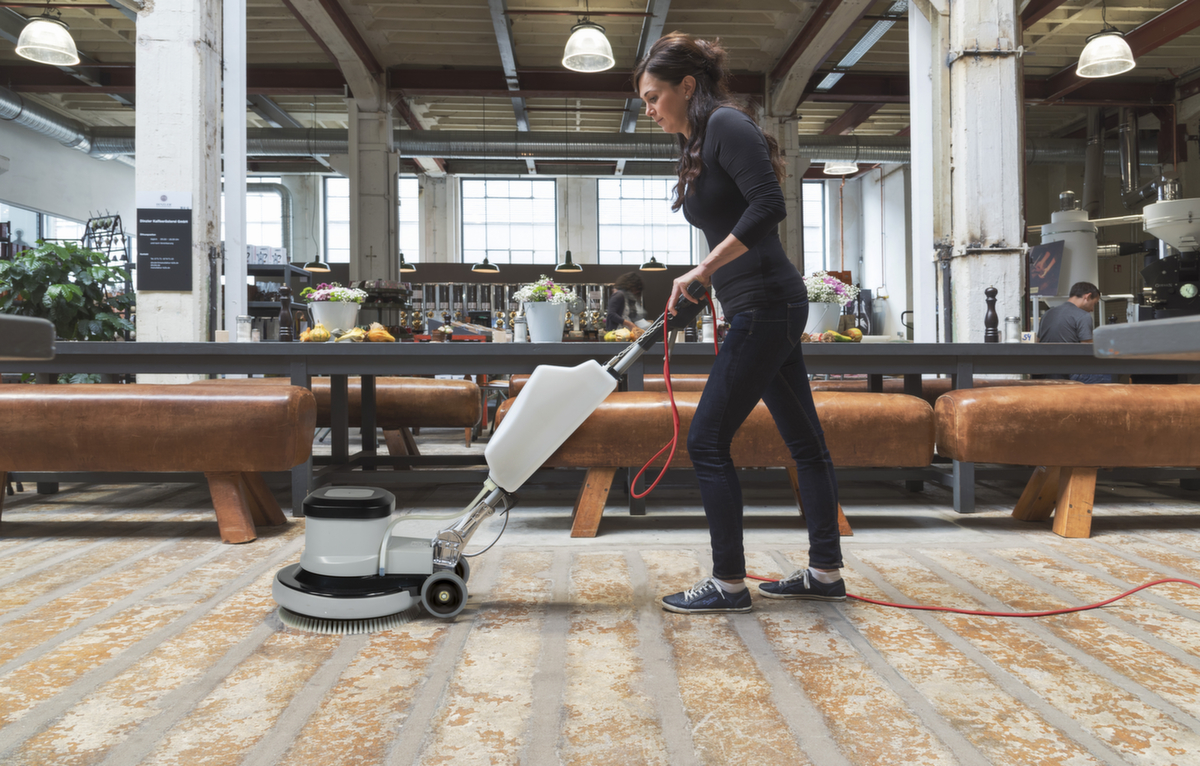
[[686, 311]]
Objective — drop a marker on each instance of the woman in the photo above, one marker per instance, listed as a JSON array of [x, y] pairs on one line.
[[729, 186], [625, 307]]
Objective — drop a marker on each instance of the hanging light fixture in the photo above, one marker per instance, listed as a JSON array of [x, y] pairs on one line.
[[316, 266], [1106, 52], [652, 265], [485, 267], [406, 268], [840, 167], [568, 265], [47, 41], [588, 50]]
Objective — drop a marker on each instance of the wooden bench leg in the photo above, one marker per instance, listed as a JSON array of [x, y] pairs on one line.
[[1040, 494], [469, 431], [589, 506], [400, 443], [3, 490], [263, 507], [843, 525], [1076, 493], [232, 506]]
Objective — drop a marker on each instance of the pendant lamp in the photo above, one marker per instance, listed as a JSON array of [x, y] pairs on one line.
[[652, 265], [316, 266], [588, 50], [840, 167], [47, 41], [1106, 52], [485, 267], [568, 265], [406, 268]]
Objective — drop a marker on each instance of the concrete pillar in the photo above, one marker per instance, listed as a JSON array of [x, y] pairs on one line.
[[791, 231], [439, 219], [577, 219], [374, 204], [178, 131], [307, 221], [986, 153], [925, 81]]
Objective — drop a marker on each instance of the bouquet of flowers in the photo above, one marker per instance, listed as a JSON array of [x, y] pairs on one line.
[[333, 291], [825, 288], [543, 291]]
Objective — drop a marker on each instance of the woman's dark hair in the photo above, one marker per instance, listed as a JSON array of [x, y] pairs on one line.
[[629, 282], [674, 57]]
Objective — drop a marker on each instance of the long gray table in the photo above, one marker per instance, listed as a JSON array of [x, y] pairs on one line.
[[301, 361]]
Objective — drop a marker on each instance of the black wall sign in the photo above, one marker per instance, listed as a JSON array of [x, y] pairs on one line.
[[164, 245]]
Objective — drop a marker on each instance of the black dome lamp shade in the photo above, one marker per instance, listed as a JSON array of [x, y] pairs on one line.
[[652, 265], [568, 265]]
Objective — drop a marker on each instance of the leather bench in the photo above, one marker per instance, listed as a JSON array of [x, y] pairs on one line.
[[230, 434], [400, 404], [932, 388], [679, 383], [861, 429], [1068, 437]]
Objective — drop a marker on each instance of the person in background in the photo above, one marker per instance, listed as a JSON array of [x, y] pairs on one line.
[[1071, 322], [729, 186], [625, 307]]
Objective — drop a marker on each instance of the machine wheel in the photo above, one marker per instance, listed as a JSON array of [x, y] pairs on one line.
[[463, 570], [444, 595]]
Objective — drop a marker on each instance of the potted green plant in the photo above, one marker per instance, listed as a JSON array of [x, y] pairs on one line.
[[77, 289], [827, 296], [545, 306]]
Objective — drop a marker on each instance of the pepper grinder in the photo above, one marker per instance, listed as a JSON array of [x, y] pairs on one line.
[[991, 320], [287, 330]]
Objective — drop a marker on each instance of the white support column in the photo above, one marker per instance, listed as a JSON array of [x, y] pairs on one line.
[[374, 202], [178, 138], [235, 163], [923, 275], [987, 158], [791, 231]]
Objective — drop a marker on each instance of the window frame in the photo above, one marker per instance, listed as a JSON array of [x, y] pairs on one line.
[[462, 218], [691, 240]]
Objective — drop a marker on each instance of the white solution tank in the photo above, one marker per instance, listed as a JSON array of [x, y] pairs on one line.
[[1080, 264], [1176, 222]]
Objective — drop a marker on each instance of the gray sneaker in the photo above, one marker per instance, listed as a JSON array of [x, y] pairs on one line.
[[800, 585], [705, 597]]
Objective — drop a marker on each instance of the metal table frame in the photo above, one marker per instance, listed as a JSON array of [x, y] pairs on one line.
[[301, 361]]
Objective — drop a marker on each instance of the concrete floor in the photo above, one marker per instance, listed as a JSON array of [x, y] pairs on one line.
[[130, 634]]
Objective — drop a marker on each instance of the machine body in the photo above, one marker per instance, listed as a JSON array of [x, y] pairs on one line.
[[354, 567]]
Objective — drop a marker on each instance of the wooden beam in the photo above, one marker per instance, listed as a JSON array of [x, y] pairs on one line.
[[1038, 10], [851, 118], [828, 25]]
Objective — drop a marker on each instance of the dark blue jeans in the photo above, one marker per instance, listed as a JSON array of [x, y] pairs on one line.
[[761, 359]]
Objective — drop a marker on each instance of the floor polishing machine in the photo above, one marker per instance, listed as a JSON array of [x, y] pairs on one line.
[[355, 568]]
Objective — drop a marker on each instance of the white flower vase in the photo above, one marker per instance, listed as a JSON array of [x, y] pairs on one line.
[[546, 321], [822, 317], [335, 315]]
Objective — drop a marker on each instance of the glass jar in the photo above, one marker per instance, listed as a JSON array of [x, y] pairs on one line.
[[245, 324], [1012, 329]]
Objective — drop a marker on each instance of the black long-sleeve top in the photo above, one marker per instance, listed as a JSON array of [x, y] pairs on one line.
[[737, 193]]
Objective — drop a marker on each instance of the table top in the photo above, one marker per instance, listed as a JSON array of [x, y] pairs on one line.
[[503, 358]]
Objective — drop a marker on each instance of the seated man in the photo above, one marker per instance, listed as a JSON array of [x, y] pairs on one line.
[[1071, 322]]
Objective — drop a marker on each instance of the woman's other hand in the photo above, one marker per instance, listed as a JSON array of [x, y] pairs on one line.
[[679, 286]]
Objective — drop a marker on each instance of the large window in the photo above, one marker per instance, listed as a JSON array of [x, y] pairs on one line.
[[264, 214], [410, 218], [28, 226], [509, 221], [636, 222], [337, 220], [814, 225]]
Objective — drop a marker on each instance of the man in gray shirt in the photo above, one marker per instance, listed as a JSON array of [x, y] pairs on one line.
[[1071, 322]]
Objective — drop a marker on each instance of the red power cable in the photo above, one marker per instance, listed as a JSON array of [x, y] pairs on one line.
[[674, 442], [984, 613]]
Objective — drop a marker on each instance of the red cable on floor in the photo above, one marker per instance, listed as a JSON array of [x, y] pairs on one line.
[[984, 613], [674, 442]]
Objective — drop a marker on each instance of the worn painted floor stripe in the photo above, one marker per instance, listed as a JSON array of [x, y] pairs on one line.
[[1002, 727], [728, 701], [487, 704], [1117, 717], [610, 716]]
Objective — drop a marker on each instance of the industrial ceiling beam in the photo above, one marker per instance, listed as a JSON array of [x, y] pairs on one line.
[[86, 72], [652, 27], [851, 118], [508, 60], [1158, 31], [1037, 10], [275, 115], [824, 30], [329, 25], [892, 89]]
